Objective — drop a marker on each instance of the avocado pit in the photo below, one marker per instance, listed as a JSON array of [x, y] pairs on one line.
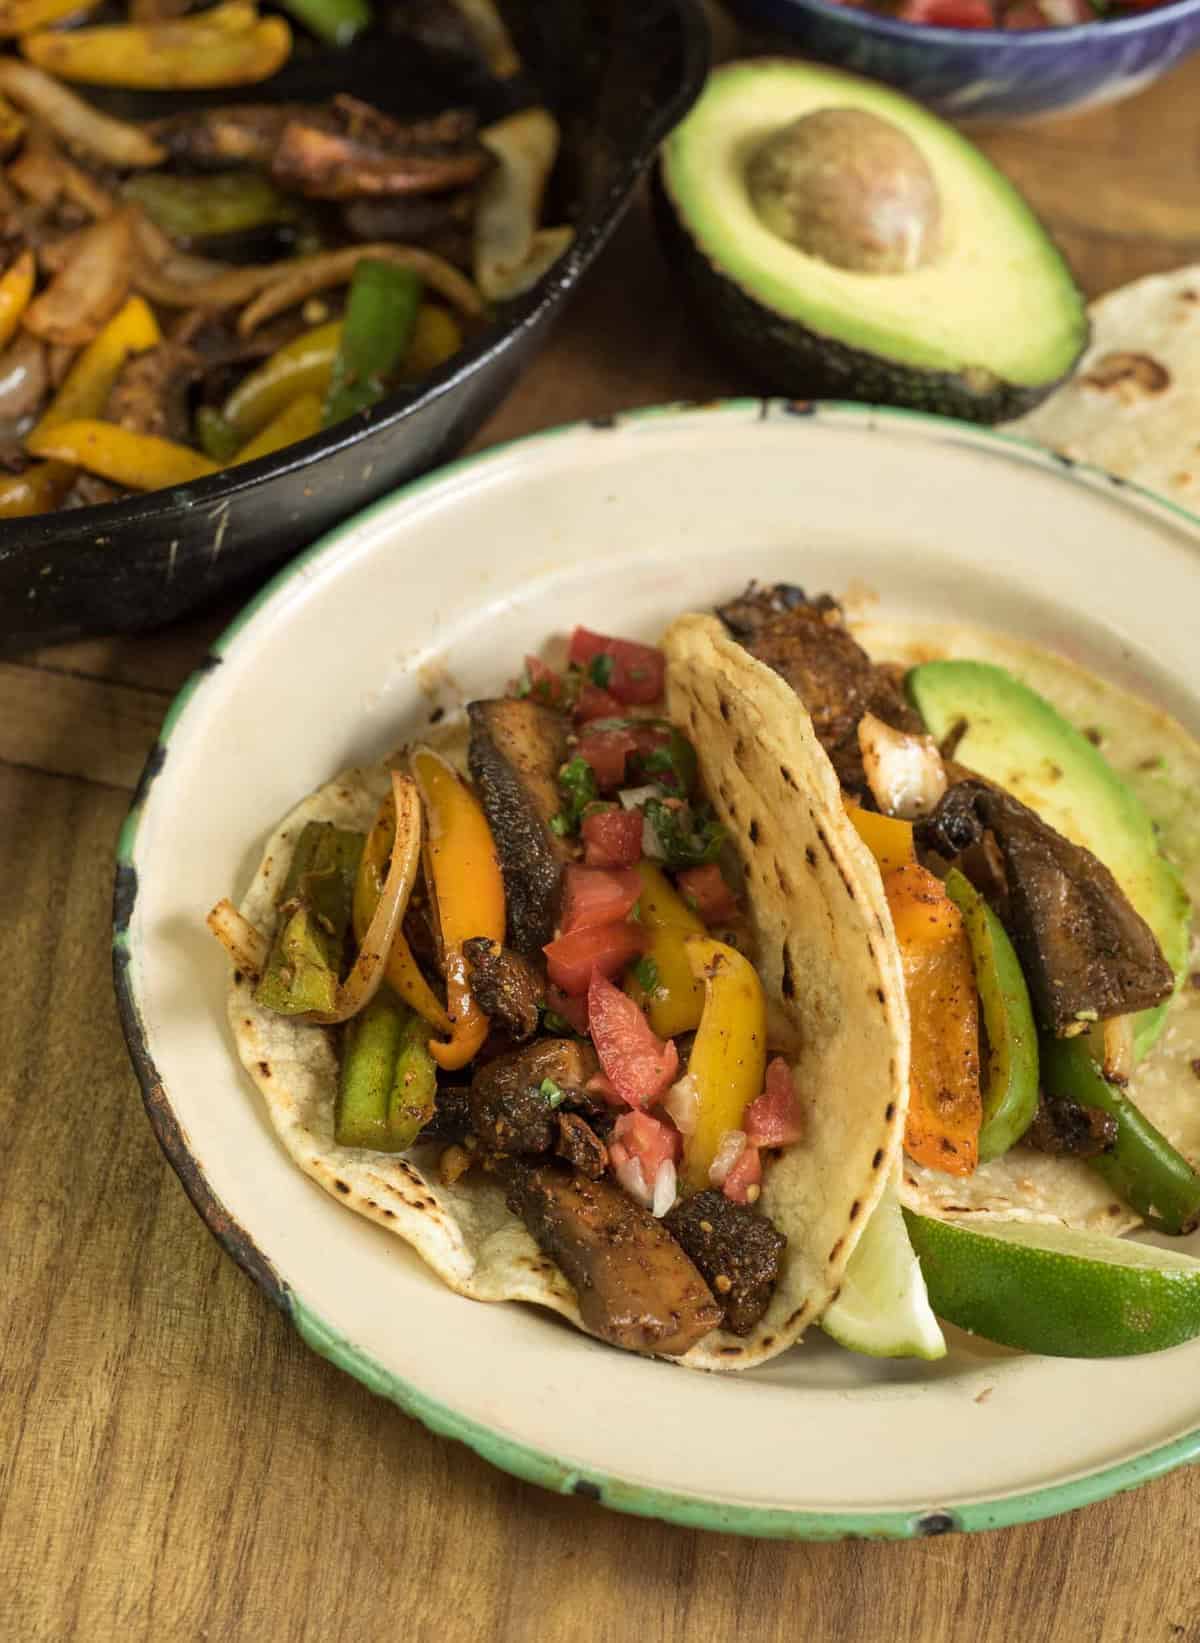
[[848, 187]]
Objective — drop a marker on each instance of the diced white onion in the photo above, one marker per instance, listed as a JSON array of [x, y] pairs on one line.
[[629, 1173], [650, 845], [682, 1101], [634, 797], [733, 1145], [905, 773], [665, 1189]]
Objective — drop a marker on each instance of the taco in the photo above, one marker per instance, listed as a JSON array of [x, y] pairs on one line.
[[1036, 841], [596, 1006]]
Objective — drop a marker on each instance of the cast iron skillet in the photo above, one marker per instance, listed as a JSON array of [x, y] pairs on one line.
[[618, 74]]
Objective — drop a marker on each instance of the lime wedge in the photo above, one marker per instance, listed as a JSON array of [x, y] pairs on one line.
[[1051, 1289], [882, 1308]]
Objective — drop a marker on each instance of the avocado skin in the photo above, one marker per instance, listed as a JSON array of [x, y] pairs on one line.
[[788, 358]]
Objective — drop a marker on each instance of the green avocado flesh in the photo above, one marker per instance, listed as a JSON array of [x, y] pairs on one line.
[[1016, 739], [990, 320]]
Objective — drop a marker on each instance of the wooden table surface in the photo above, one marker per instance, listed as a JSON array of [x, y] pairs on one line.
[[174, 1464]]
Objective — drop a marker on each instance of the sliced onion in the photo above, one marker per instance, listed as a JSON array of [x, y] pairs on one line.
[[682, 1101], [629, 1175], [78, 124], [89, 288], [1111, 1043], [731, 1148], [24, 378], [904, 772], [511, 252], [361, 985], [666, 1189], [296, 281], [246, 945]]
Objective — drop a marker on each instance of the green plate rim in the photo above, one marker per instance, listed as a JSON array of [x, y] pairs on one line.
[[522, 1460]]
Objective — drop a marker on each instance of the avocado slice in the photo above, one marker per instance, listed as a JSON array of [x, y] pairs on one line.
[[1014, 738], [982, 318]]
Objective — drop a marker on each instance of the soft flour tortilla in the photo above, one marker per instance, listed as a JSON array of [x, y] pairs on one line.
[[1161, 762], [1133, 404], [828, 961]]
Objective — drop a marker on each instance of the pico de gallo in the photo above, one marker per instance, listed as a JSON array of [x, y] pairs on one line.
[[1005, 14]]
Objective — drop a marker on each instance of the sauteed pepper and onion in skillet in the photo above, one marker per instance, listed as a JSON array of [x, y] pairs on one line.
[[206, 287], [646, 1003]]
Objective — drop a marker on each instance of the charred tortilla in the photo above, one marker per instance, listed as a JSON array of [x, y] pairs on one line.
[[827, 961]]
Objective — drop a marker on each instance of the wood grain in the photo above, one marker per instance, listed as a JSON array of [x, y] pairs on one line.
[[174, 1465]]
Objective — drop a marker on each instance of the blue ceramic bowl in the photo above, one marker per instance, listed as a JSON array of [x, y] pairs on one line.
[[990, 73]]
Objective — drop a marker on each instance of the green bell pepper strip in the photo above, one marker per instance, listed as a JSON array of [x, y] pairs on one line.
[[196, 208], [387, 1081], [216, 437], [304, 966], [1142, 1167], [370, 1044], [337, 22], [414, 1083], [1010, 1094], [381, 315]]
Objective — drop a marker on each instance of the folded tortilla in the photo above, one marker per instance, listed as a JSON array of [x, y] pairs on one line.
[[1161, 762], [827, 956]]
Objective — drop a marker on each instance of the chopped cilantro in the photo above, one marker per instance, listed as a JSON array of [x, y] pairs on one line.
[[577, 783], [553, 1095], [600, 670], [686, 837], [676, 760], [645, 973]]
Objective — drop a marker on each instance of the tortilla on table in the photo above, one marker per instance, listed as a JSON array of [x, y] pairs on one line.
[[1133, 403], [827, 957]]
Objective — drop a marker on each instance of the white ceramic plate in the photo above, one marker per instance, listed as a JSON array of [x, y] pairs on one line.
[[436, 594]]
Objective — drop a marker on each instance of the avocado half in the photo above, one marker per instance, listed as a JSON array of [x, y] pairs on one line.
[[984, 329]]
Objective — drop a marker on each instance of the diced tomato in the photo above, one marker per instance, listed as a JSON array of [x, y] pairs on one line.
[[545, 685], [606, 751], [597, 895], [649, 1140], [612, 838], [952, 14], [706, 889], [639, 1064], [774, 1119], [595, 703], [638, 671], [573, 1010], [745, 1178], [606, 948]]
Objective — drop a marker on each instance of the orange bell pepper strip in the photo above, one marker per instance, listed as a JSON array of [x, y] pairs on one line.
[[16, 288], [463, 873], [402, 972], [945, 1105], [889, 839], [85, 389], [142, 461]]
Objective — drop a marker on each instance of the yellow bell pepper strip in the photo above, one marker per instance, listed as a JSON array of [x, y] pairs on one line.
[[296, 421], [728, 1063], [19, 17], [888, 839], [38, 490], [16, 288], [229, 45], [402, 972], [676, 1001], [87, 385], [436, 337], [302, 366], [463, 873], [945, 1108], [143, 462]]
